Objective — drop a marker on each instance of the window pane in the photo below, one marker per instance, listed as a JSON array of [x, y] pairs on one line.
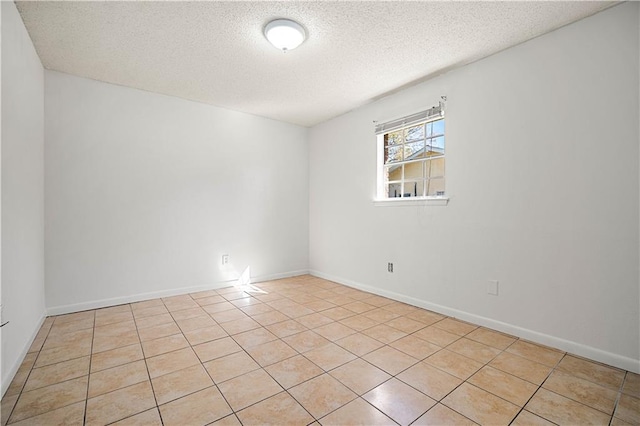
[[414, 171], [436, 145], [413, 150], [393, 173], [393, 190], [435, 167], [413, 189], [415, 133], [393, 138], [414, 162], [435, 187], [393, 154], [437, 127]]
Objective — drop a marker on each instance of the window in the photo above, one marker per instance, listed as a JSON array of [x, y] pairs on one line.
[[411, 156]]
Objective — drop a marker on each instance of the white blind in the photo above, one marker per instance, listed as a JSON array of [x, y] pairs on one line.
[[430, 114]]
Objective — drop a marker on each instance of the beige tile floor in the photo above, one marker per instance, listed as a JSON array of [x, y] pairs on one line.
[[298, 351]]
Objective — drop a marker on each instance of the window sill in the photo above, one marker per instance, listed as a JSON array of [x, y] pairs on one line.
[[426, 201]]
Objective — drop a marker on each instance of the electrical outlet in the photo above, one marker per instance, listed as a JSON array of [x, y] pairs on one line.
[[390, 267], [225, 259], [492, 287]]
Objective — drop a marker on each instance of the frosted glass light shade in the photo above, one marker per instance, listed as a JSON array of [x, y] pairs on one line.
[[284, 34]]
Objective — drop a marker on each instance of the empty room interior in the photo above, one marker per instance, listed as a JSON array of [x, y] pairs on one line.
[[328, 213]]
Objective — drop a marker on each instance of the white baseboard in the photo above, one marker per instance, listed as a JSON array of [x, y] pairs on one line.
[[96, 304], [7, 376], [575, 348], [103, 303], [270, 277]]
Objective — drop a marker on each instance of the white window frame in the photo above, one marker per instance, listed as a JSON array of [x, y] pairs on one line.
[[381, 199]]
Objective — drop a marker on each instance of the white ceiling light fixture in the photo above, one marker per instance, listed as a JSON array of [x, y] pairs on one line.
[[284, 34]]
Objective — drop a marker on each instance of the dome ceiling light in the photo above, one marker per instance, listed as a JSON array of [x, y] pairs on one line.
[[284, 34]]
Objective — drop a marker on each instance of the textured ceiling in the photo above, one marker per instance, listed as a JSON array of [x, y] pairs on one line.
[[214, 52]]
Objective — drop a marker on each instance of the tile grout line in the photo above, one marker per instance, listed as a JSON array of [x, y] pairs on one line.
[[233, 412], [467, 379], [144, 357], [391, 376], [297, 354], [19, 394], [42, 387], [553, 369], [439, 401], [267, 372], [357, 357], [360, 332], [619, 392], [617, 401], [86, 401], [384, 345], [536, 391]]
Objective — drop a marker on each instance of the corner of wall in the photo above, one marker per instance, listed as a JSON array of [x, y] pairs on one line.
[[22, 204], [8, 374]]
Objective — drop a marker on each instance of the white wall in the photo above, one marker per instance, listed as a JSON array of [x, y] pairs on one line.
[[22, 191], [145, 192], [2, 389], [542, 171]]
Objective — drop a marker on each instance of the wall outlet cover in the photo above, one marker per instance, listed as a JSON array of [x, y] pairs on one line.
[[492, 287]]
